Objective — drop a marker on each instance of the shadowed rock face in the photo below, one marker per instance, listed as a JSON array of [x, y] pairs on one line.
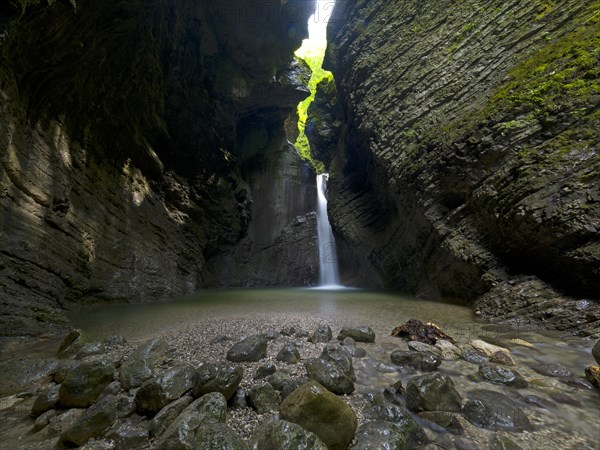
[[140, 142], [468, 159]]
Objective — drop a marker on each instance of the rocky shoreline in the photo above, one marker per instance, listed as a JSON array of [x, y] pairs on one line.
[[305, 384]]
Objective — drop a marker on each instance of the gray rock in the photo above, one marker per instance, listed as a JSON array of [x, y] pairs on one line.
[[394, 393], [210, 408], [473, 356], [444, 419], [64, 367], [62, 421], [139, 367], [288, 330], [263, 398], [91, 423], [252, 348], [115, 341], [359, 334], [271, 334], [340, 356], [356, 352], [432, 392], [220, 377], [125, 405], [348, 341], [553, 370], [24, 373], [43, 420], [502, 358], [84, 383], [286, 384], [217, 436], [45, 401], [322, 334], [448, 350], [129, 434], [379, 409], [425, 361], [265, 370], [318, 410], [239, 399], [501, 375], [90, 349], [423, 347], [154, 394], [112, 388], [72, 342], [596, 351], [167, 415], [288, 354], [493, 410], [379, 434], [329, 375], [284, 435]]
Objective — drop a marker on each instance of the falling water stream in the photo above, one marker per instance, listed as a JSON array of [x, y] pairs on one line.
[[328, 263]]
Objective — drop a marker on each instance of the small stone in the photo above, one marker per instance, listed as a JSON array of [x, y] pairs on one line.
[[284, 435], [359, 334], [486, 348], [319, 411], [502, 375], [252, 348], [265, 370], [432, 392], [502, 358], [288, 330], [424, 348], [474, 356], [263, 398], [356, 352], [220, 377], [271, 334], [425, 362], [553, 370], [521, 342], [43, 420], [239, 399], [592, 374], [348, 341], [448, 350], [394, 393], [288, 354], [322, 334], [115, 341]]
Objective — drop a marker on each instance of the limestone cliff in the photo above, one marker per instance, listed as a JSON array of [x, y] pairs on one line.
[[135, 138], [468, 166]]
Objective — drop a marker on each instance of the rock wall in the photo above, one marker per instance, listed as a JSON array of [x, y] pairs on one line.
[[137, 139], [469, 160]]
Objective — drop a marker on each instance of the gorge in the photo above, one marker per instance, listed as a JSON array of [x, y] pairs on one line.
[[150, 188]]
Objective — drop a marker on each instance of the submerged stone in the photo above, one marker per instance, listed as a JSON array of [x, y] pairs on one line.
[[359, 334]]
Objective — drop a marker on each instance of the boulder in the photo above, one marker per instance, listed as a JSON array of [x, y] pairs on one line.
[[432, 392], [379, 434], [330, 375], [129, 434], [486, 348], [45, 401], [72, 342], [139, 367], [425, 362], [284, 435], [24, 373], [252, 348], [502, 375], [340, 356], [288, 354], [85, 382], [596, 351], [318, 410], [217, 436], [493, 410], [359, 334], [502, 358], [378, 409], [286, 384], [553, 370], [210, 408], [263, 398], [222, 377], [91, 423], [154, 394], [167, 415], [265, 370], [322, 334], [415, 330]]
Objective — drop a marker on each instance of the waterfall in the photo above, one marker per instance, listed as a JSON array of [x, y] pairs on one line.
[[328, 264]]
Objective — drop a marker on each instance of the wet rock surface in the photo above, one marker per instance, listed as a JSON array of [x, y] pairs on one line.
[[359, 334], [252, 348], [494, 410], [222, 377], [502, 375], [284, 435], [425, 361], [432, 392]]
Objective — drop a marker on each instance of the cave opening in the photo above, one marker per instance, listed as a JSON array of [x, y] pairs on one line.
[[312, 52]]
